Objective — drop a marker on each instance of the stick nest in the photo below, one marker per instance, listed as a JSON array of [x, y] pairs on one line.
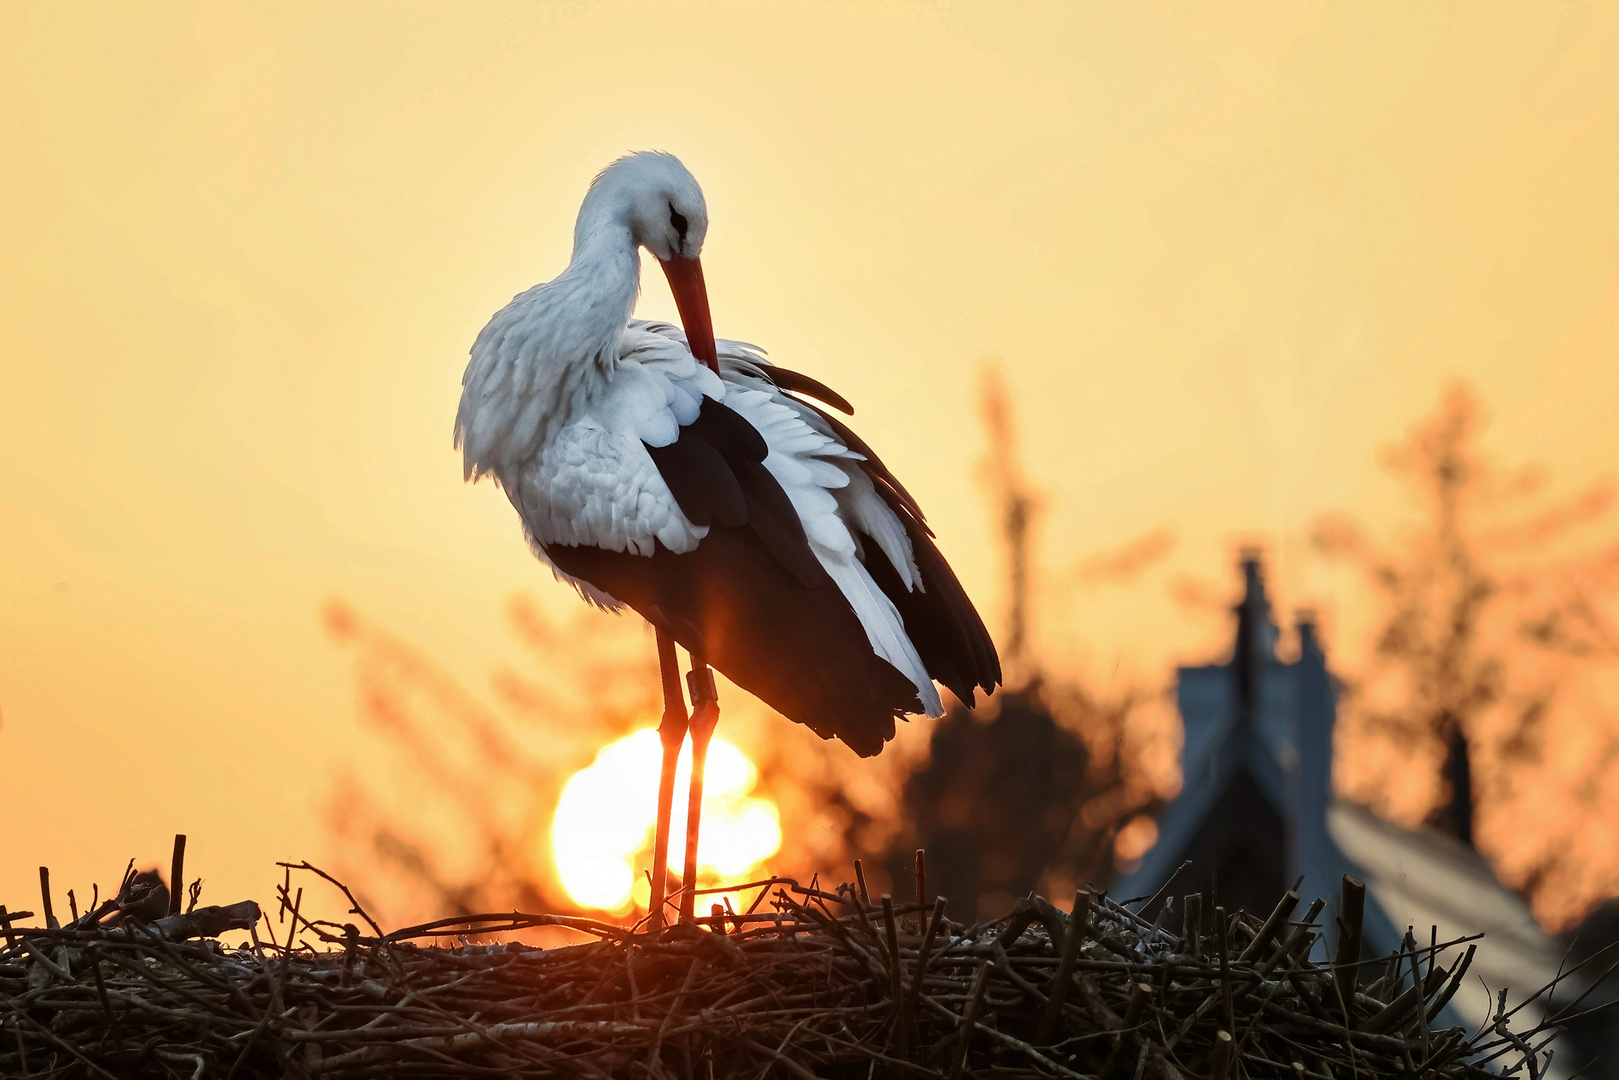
[[807, 983]]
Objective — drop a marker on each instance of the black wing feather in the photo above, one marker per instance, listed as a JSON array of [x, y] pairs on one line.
[[701, 482], [886, 481], [753, 599], [801, 651], [715, 470], [799, 383], [939, 618]]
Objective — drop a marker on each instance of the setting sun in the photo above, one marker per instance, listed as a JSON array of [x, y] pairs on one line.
[[607, 811]]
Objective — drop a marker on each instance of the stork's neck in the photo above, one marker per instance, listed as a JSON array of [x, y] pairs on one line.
[[601, 282], [548, 352]]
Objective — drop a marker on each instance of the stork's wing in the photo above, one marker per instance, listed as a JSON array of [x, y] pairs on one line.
[[938, 617], [594, 482], [764, 544]]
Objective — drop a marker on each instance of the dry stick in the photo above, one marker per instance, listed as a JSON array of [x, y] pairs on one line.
[[1151, 936], [1222, 941], [1129, 1035], [1259, 1015], [106, 1007], [1192, 924], [1394, 1013], [1052, 918], [896, 978], [1224, 1044], [1433, 950], [1279, 914], [292, 930], [45, 892], [276, 1001], [5, 928], [923, 955], [481, 1033], [46, 962], [99, 909], [859, 910], [1565, 1014], [24, 1018], [1078, 923], [1291, 943], [517, 920], [999, 1036], [921, 884], [1003, 964], [1141, 1058], [1419, 984], [354, 905], [1563, 974], [1449, 988], [1222, 993], [177, 873], [1311, 1000], [969, 1018], [127, 883], [176, 956], [1346, 967], [22, 1050], [1162, 889], [786, 1062], [1023, 915], [860, 881], [1343, 1007], [656, 1053], [757, 900], [139, 969], [629, 977]]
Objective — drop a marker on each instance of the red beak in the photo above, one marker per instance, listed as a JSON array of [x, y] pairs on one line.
[[691, 297]]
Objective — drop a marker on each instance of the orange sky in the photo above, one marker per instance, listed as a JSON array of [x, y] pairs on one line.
[[1223, 255]]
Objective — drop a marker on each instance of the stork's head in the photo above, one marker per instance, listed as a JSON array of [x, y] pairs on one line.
[[660, 201]]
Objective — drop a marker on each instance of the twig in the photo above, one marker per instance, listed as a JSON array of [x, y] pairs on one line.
[[1078, 923], [969, 1019], [177, 873], [897, 978], [45, 894]]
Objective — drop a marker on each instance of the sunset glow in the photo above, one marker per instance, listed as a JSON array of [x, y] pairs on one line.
[[602, 834], [1224, 254]]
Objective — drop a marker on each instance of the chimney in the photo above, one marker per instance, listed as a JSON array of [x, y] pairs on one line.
[[1312, 780], [1256, 636]]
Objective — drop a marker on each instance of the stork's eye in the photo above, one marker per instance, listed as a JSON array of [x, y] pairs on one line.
[[678, 220]]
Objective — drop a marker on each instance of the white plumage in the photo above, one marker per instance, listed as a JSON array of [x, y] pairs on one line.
[[627, 439], [660, 469], [579, 473]]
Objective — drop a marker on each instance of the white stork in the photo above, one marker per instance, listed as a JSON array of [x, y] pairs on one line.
[[697, 483]]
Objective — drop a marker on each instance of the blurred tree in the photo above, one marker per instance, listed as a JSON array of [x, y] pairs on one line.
[[1493, 606], [453, 810], [1014, 507], [1034, 792], [1032, 798]]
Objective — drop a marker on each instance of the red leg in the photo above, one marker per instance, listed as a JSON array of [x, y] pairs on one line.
[[672, 731], [705, 716]]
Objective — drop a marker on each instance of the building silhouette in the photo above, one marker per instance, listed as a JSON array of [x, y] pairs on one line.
[[1256, 812]]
